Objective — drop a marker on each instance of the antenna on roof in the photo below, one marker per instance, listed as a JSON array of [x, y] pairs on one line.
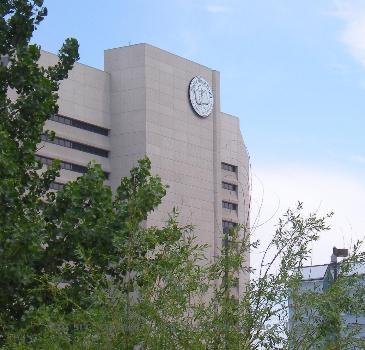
[[337, 253]]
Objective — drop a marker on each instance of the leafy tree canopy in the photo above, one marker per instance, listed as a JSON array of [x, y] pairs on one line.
[[28, 96], [79, 269]]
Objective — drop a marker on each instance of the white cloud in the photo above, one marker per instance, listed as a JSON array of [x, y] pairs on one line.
[[352, 12], [322, 191], [217, 9]]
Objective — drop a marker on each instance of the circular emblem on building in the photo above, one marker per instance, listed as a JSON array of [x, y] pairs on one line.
[[201, 96]]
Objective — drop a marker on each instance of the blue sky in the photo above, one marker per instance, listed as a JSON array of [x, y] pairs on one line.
[[293, 71]]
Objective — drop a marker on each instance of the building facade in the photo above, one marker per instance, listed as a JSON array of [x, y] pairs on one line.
[[150, 102], [317, 279]]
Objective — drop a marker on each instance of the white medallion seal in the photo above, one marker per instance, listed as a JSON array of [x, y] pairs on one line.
[[201, 96]]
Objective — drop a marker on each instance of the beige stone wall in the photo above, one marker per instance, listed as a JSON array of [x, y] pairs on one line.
[[142, 97], [233, 151], [85, 96], [180, 143], [127, 109]]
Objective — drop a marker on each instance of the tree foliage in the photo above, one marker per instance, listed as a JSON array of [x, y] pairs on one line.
[[79, 268], [28, 96]]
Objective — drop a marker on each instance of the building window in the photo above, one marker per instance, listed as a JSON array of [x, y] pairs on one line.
[[228, 186], [67, 166], [229, 205], [227, 239], [79, 124], [56, 186], [227, 225], [76, 145], [229, 167]]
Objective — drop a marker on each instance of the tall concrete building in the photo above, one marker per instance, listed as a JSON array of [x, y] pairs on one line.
[[150, 102]]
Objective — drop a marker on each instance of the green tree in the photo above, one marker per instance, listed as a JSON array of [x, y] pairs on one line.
[[324, 314], [100, 259], [79, 269], [170, 297], [28, 96], [260, 318]]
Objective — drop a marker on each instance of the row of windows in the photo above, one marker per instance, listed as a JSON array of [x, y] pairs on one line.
[[67, 166], [229, 205], [227, 225], [79, 124], [229, 167], [76, 145], [64, 165], [228, 186], [56, 186]]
